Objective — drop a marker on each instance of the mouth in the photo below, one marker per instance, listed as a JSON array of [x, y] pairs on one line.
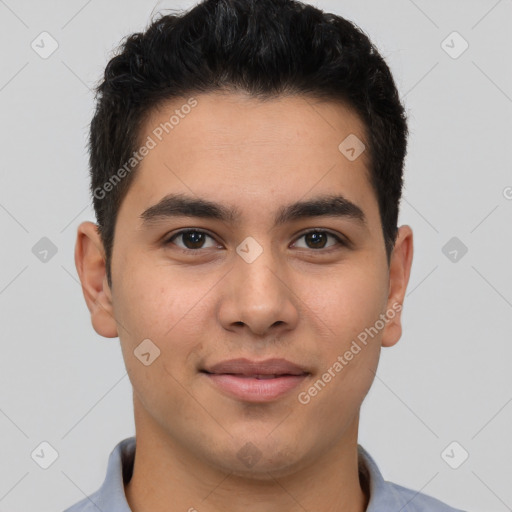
[[258, 377], [253, 381]]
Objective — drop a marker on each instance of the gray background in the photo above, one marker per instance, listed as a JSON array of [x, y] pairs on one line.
[[448, 379]]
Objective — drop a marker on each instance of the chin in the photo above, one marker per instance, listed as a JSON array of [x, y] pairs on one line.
[[260, 457]]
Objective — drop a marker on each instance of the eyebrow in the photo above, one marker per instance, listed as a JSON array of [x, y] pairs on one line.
[[180, 205]]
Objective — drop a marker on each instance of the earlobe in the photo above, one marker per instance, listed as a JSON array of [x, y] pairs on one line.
[[90, 265], [399, 273]]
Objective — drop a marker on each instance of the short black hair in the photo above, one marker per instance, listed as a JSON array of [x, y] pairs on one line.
[[265, 48]]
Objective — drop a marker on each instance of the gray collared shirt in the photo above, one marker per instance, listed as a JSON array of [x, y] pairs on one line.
[[384, 496]]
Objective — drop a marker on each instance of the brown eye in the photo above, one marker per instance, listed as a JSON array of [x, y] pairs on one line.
[[191, 238], [317, 239]]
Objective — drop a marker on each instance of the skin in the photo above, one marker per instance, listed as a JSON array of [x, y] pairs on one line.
[[295, 301]]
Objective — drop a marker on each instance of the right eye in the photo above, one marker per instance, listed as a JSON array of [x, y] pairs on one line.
[[192, 239]]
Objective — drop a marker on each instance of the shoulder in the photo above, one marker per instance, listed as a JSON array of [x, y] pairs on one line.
[[88, 504], [388, 496], [110, 497], [415, 501]]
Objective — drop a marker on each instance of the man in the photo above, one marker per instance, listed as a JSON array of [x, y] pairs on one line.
[[246, 170]]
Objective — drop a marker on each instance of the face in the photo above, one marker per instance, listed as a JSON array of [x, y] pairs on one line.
[[248, 277]]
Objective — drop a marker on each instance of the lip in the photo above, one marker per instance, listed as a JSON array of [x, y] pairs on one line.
[[239, 378]]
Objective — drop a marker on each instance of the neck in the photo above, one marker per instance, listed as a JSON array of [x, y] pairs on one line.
[[164, 473]]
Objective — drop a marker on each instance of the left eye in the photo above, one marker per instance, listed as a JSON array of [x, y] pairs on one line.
[[194, 239], [318, 238]]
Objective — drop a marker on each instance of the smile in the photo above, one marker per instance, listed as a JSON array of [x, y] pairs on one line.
[[255, 388]]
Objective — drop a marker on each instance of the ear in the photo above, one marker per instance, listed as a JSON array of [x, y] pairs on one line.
[[399, 272], [90, 265]]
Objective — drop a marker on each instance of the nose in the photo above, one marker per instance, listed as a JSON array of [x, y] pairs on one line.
[[260, 297]]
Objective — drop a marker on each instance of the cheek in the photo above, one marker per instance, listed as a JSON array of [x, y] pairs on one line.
[[168, 307], [165, 309], [153, 299], [346, 308], [347, 301]]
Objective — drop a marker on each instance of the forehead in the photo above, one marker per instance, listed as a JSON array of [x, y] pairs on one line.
[[236, 120], [224, 146]]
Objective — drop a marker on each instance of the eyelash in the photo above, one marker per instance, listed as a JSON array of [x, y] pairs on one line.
[[340, 240]]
